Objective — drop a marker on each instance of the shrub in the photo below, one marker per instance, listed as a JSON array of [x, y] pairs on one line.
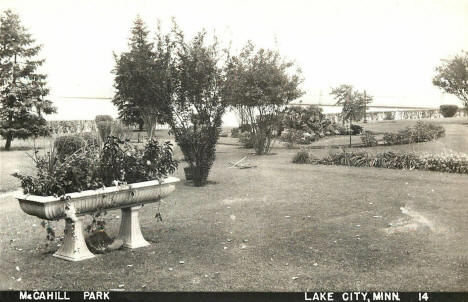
[[368, 139], [356, 129], [104, 126], [389, 116], [301, 157], [198, 144], [89, 168], [245, 138], [448, 110], [66, 145]]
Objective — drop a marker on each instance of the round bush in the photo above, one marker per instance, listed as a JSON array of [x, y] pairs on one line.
[[448, 110], [66, 145], [103, 118]]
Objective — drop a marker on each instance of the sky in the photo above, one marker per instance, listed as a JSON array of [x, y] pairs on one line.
[[388, 48]]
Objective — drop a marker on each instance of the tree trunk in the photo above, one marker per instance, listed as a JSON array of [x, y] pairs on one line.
[[8, 142], [140, 125], [350, 133]]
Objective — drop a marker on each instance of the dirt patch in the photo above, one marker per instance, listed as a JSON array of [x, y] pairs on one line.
[[412, 221]]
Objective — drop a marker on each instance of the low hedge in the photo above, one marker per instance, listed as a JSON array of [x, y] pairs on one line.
[[397, 160]]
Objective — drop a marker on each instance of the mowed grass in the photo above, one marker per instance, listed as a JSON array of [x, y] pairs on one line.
[[276, 227]]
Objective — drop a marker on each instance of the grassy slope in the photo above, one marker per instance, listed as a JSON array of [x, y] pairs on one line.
[[281, 219]]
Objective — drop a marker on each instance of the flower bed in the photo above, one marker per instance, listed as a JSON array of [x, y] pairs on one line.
[[421, 132], [451, 163]]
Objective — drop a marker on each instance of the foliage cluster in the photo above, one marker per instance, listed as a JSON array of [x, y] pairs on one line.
[[303, 125]]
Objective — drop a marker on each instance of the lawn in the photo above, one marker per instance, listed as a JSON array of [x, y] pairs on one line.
[[276, 227]]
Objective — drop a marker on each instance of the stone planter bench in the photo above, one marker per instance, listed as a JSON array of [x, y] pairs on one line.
[[129, 198]]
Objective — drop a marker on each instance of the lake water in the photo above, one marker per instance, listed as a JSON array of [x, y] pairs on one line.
[[87, 109]]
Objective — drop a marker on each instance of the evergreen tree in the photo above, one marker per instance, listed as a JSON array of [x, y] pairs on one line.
[[22, 87], [139, 80]]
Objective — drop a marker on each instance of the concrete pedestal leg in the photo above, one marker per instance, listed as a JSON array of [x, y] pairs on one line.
[[130, 232], [74, 246]]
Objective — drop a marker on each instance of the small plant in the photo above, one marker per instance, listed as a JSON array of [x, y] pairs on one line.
[[301, 157], [368, 139], [448, 110]]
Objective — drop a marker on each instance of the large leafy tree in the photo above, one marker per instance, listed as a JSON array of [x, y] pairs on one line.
[[259, 83], [22, 86], [195, 115], [452, 77], [140, 81], [353, 102]]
